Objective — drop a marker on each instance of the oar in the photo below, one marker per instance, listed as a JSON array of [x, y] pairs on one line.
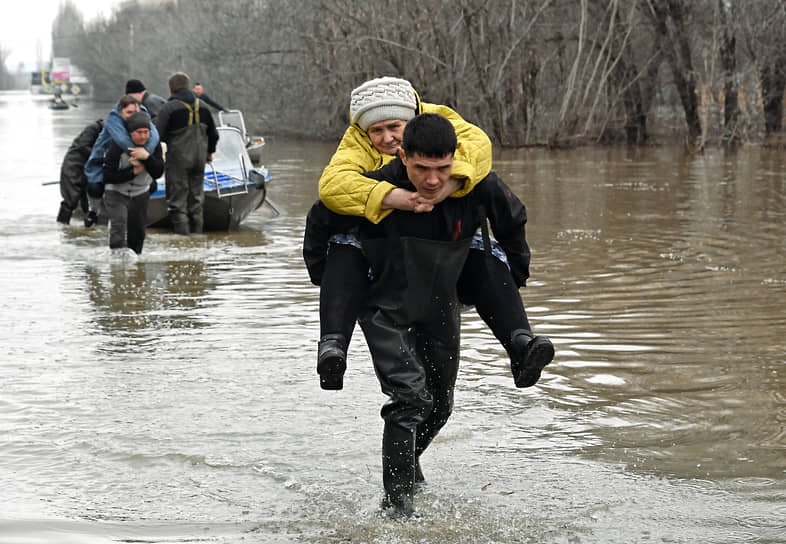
[[278, 210], [50, 183]]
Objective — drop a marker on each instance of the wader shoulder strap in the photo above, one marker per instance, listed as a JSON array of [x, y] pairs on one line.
[[193, 113]]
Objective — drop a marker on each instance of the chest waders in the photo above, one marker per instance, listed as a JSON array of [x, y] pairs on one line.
[[412, 328], [185, 168]]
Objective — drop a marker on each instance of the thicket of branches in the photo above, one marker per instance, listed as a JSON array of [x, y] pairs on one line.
[[530, 72]]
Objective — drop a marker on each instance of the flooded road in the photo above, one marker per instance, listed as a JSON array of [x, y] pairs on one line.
[[175, 399]]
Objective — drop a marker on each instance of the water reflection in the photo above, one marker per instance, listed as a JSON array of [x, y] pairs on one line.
[[144, 300]]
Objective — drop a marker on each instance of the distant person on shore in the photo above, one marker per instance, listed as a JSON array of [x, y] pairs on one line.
[[73, 182], [151, 102], [114, 131], [190, 134], [379, 110], [130, 178], [202, 95]]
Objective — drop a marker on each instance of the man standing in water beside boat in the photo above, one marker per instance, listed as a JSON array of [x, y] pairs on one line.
[[191, 137]]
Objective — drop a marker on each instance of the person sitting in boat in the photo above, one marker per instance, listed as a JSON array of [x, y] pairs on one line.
[[191, 137], [202, 95], [379, 110], [151, 102], [114, 131], [129, 179], [73, 182]]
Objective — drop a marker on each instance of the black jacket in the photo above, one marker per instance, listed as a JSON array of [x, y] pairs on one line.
[[174, 115], [72, 172], [459, 218], [115, 174]]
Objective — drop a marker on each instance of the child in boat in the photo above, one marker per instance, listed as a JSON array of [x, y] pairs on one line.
[[129, 179]]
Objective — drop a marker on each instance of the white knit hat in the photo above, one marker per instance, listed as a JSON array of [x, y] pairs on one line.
[[381, 99]]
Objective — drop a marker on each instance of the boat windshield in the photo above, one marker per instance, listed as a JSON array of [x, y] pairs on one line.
[[230, 147]]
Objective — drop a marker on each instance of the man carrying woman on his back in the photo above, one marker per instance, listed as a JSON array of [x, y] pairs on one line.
[[130, 178]]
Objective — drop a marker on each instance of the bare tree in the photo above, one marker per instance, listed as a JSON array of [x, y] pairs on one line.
[[728, 59], [530, 72], [673, 33]]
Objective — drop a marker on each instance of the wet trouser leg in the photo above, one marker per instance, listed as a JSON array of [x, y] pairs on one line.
[[417, 371], [342, 291], [403, 380], [441, 365], [177, 198], [196, 200], [398, 467], [73, 193], [137, 221], [487, 284], [116, 205]]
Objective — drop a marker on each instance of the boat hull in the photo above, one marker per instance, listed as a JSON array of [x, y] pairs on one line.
[[220, 213]]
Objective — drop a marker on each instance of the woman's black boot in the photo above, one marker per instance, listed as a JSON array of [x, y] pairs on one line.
[[332, 361], [529, 355]]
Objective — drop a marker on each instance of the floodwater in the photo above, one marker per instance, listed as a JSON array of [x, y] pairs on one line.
[[174, 398]]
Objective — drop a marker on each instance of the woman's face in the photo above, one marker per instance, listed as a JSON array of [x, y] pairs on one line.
[[128, 111]]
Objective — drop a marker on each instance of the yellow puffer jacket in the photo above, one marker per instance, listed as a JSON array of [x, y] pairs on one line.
[[344, 189]]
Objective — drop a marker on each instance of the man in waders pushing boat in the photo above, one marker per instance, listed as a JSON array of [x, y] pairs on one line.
[[411, 315], [190, 134]]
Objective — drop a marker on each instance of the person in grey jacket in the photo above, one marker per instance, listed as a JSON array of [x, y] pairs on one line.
[[129, 180], [151, 102]]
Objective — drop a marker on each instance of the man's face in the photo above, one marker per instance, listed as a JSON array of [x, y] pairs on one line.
[[140, 136], [386, 136], [428, 174], [198, 90], [128, 111]]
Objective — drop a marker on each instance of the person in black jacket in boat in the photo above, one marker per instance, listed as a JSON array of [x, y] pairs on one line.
[[200, 93]]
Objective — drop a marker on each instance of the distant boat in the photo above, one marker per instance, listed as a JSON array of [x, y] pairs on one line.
[[58, 103]]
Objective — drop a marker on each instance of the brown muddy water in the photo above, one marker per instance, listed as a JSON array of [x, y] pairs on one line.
[[174, 398]]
